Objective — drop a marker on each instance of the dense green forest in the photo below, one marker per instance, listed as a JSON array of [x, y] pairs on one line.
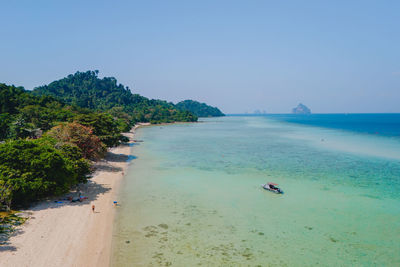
[[49, 137], [25, 115], [199, 109], [46, 145], [87, 90]]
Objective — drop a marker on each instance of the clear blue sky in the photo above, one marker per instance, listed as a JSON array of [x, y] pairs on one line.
[[334, 56]]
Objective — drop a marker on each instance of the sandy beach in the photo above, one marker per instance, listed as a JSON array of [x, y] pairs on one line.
[[70, 234]]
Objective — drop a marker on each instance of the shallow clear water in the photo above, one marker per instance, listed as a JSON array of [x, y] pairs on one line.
[[193, 197]]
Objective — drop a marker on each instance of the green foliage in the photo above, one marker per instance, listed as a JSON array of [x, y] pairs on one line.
[[86, 90], [9, 220], [199, 109], [5, 121], [25, 115], [45, 166], [11, 98], [78, 136], [6, 188], [30, 116], [36, 169], [51, 132], [124, 120], [103, 125]]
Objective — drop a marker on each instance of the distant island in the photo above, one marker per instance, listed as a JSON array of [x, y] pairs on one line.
[[199, 109], [301, 109]]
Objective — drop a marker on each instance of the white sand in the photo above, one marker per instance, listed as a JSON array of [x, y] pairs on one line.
[[70, 234]]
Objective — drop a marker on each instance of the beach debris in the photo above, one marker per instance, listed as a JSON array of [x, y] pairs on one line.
[[127, 241]]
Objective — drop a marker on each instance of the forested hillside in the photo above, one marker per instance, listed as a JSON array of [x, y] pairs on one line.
[[199, 109], [25, 115], [87, 90], [50, 136], [47, 145]]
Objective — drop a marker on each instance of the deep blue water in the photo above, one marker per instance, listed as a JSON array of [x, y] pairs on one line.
[[385, 124]]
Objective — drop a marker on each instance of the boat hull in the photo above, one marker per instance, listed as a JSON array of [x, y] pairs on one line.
[[266, 187]]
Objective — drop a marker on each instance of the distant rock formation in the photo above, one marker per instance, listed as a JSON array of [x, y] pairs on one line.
[[301, 109]]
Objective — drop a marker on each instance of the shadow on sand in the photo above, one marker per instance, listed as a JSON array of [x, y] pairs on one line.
[[90, 191], [5, 244], [112, 157]]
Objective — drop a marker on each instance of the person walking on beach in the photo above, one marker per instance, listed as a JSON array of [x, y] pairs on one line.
[[93, 208]]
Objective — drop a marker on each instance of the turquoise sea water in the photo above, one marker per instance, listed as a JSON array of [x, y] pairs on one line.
[[192, 196]]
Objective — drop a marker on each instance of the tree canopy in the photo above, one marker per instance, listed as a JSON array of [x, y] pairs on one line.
[[87, 90], [81, 136], [33, 165], [49, 136], [36, 169], [199, 109]]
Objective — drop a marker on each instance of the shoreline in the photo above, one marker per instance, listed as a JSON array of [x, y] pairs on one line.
[[70, 234]]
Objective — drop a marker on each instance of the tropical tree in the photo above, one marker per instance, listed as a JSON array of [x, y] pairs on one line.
[[74, 133], [103, 125], [36, 169], [6, 188], [199, 109], [87, 90]]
